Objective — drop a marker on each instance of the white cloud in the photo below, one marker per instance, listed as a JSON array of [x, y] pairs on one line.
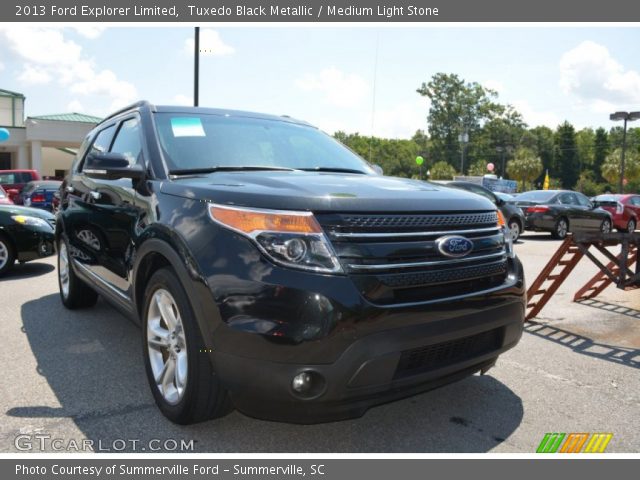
[[402, 120], [32, 75], [89, 30], [75, 106], [495, 85], [181, 99], [590, 73], [339, 88], [211, 44], [48, 56], [535, 118]]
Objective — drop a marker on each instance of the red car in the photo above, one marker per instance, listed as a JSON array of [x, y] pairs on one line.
[[4, 198], [13, 181], [625, 209]]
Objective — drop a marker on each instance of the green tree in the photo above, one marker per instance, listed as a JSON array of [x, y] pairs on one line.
[[600, 152], [442, 171], [585, 142], [457, 106], [525, 167], [566, 155], [479, 167], [611, 167]]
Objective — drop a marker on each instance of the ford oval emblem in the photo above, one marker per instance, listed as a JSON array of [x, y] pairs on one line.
[[454, 246]]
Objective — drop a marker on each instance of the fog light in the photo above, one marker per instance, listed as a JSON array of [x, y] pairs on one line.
[[301, 382]]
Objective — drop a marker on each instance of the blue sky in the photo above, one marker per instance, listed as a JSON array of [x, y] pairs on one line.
[[326, 75]]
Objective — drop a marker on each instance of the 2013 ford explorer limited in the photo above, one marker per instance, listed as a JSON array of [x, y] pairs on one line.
[[273, 270]]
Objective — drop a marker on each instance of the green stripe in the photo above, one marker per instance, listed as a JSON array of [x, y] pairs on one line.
[[558, 443], [543, 443]]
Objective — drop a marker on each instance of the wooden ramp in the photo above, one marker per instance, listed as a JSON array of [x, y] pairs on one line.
[[619, 270]]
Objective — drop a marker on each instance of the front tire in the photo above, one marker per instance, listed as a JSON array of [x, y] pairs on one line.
[[7, 255], [561, 229], [180, 373], [74, 293], [631, 226], [605, 226]]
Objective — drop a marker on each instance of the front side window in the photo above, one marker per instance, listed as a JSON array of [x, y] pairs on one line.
[[127, 141], [103, 140]]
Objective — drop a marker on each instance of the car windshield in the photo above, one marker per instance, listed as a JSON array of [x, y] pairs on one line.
[[536, 196], [207, 141]]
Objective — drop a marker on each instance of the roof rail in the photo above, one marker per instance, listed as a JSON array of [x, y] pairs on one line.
[[141, 103]]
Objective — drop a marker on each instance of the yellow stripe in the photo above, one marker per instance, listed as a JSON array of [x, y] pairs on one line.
[[590, 444], [608, 437], [596, 445]]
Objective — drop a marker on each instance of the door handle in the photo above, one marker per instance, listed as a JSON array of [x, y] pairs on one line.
[[95, 195]]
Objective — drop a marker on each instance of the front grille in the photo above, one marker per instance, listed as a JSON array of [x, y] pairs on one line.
[[440, 355], [394, 258], [418, 221]]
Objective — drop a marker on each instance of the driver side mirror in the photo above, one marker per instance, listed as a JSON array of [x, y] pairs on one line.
[[111, 166]]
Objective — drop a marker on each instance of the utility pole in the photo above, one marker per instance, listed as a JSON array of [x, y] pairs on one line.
[[463, 138], [196, 68]]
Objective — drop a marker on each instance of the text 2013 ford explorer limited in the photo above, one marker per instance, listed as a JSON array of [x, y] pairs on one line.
[[273, 270]]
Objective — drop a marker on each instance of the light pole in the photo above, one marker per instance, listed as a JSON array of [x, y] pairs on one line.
[[463, 138], [626, 117]]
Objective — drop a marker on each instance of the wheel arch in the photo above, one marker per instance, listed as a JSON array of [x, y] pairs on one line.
[[159, 252]]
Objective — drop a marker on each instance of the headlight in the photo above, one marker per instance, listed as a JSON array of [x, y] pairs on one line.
[[30, 221], [292, 239]]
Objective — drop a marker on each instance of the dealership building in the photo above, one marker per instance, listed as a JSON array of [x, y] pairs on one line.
[[46, 143]]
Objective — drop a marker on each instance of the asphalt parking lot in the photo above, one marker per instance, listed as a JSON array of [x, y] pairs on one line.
[[79, 375]]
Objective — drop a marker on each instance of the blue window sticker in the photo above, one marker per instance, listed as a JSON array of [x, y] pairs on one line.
[[187, 127]]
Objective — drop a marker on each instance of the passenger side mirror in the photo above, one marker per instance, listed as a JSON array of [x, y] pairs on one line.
[[111, 166], [377, 168]]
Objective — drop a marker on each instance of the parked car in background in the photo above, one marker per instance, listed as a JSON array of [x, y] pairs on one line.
[[513, 214], [507, 197], [625, 209], [25, 234], [13, 181], [4, 198], [561, 212], [38, 194]]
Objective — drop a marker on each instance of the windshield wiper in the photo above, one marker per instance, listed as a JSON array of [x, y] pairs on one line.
[[226, 168], [332, 169]]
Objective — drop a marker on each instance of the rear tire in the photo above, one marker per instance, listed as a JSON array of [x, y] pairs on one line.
[[605, 226], [515, 229], [182, 378], [7, 255], [561, 229], [74, 293], [631, 226]]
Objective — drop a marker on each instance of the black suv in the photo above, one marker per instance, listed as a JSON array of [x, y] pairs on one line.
[[274, 270]]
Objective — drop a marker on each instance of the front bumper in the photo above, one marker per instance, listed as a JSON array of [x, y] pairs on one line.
[[277, 323]]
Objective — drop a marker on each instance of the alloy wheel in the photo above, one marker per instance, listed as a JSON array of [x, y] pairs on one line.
[[63, 269], [4, 254], [514, 230], [167, 346]]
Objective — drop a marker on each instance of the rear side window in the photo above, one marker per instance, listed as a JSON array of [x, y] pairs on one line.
[[127, 140], [635, 201], [568, 199]]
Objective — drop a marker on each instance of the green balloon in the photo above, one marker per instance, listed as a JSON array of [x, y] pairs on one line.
[[419, 160]]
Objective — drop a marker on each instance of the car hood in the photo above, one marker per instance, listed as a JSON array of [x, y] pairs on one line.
[[324, 192], [31, 212]]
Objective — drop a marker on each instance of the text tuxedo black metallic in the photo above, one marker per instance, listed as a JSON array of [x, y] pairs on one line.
[[273, 270]]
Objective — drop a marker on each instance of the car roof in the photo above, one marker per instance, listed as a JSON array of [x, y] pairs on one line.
[[143, 104]]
